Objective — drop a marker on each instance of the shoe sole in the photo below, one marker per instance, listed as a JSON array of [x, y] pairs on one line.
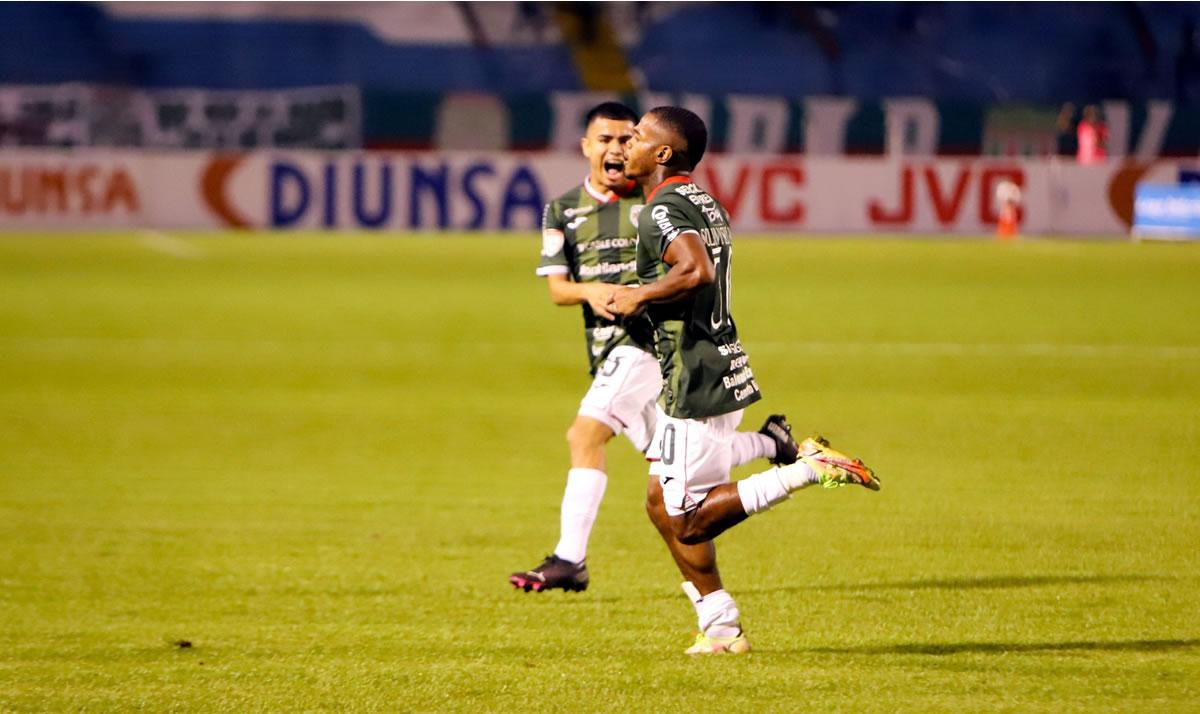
[[538, 586]]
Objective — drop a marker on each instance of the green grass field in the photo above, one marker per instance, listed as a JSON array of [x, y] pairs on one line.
[[317, 459]]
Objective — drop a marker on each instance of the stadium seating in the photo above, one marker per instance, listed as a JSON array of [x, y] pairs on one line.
[[976, 51]]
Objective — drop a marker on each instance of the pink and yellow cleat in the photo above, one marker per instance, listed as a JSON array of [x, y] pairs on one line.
[[834, 468]]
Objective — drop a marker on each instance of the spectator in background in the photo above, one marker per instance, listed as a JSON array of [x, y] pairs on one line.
[[1093, 137], [1068, 145]]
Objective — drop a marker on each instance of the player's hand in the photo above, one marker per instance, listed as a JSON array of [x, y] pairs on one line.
[[598, 295], [625, 301]]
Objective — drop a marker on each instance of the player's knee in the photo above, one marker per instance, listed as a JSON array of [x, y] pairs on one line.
[[575, 436], [654, 504]]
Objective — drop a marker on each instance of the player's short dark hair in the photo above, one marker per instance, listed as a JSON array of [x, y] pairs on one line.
[[610, 110], [690, 128]]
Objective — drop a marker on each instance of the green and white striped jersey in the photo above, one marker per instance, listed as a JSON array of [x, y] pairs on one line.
[[593, 238], [705, 370]]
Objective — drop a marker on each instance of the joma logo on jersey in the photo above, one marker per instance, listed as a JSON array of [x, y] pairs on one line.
[[578, 215]]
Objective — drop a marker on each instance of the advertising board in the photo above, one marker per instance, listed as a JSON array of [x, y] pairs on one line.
[[505, 191]]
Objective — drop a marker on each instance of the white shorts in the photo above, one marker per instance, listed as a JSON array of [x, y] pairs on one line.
[[691, 457], [623, 394]]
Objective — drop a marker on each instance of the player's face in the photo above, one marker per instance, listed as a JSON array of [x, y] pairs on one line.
[[646, 148], [604, 147]]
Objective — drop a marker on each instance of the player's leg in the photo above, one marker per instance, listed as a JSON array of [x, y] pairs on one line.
[[691, 501], [717, 615], [586, 482], [615, 404], [728, 504], [694, 458], [697, 562], [621, 397], [721, 510], [566, 568]]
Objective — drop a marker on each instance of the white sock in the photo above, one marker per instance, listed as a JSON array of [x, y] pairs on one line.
[[763, 490], [580, 504], [717, 615], [750, 445], [798, 475]]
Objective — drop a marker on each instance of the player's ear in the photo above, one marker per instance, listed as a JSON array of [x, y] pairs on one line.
[[664, 154], [583, 147]]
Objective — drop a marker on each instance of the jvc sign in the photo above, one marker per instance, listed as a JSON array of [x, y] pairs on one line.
[[489, 191]]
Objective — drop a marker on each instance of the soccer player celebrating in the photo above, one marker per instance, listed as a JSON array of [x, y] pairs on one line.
[[589, 247], [683, 261]]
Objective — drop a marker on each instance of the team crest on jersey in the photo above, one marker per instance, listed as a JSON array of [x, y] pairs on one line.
[[634, 212], [552, 242]]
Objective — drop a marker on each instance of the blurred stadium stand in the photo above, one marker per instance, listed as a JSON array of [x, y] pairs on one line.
[[387, 68], [1040, 52]]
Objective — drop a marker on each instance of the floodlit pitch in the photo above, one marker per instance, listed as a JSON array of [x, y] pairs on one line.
[[293, 472]]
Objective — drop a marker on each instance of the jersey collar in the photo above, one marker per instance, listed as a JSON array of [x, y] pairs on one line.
[[673, 179], [603, 197]]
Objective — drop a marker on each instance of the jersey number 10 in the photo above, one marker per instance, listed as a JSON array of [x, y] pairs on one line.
[[721, 258]]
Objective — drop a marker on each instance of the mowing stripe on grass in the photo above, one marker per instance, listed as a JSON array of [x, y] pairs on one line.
[[883, 349]]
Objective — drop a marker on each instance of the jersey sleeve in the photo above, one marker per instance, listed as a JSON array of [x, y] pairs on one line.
[[662, 223], [553, 260]]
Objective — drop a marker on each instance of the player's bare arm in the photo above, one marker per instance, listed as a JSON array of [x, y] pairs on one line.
[[691, 269], [564, 291]]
